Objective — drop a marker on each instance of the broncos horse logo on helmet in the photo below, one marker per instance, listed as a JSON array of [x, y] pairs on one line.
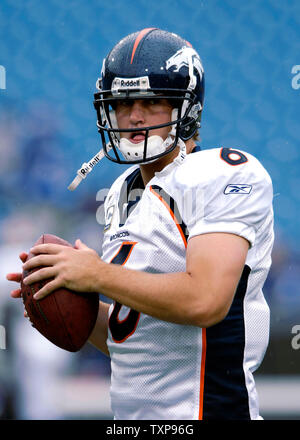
[[181, 58]]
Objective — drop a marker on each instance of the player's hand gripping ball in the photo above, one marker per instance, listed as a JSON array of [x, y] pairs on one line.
[[66, 318]]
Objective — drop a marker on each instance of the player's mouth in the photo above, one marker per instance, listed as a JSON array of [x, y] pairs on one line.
[[137, 137]]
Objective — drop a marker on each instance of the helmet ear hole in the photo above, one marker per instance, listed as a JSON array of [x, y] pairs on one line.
[[189, 129], [191, 122]]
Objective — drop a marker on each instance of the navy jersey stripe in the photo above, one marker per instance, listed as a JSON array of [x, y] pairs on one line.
[[173, 207], [121, 330], [123, 253], [132, 181], [225, 392]]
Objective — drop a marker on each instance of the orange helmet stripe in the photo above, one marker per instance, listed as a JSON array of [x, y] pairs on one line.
[[138, 40]]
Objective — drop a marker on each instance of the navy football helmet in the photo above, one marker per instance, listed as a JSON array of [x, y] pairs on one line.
[[150, 64]]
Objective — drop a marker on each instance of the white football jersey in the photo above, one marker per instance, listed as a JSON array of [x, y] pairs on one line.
[[162, 370]]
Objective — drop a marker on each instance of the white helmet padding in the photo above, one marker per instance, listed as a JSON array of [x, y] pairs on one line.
[[155, 144]]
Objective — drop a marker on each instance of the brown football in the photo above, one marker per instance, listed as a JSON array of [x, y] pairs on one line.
[[64, 317]]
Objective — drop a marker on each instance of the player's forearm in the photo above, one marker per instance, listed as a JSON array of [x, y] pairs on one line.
[[98, 336], [171, 297]]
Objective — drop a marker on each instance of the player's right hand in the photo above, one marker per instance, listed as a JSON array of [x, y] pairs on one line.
[[16, 276]]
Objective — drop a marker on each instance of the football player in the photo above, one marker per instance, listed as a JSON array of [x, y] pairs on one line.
[[186, 249]]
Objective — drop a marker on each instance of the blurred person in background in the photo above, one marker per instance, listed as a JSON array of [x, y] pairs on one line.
[[31, 162], [31, 365], [186, 249]]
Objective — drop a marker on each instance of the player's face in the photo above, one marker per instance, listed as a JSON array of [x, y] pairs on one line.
[[143, 113]]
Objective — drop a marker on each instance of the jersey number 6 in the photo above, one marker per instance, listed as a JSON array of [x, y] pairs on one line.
[[233, 157], [122, 329]]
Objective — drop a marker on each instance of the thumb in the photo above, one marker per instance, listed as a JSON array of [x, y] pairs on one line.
[[80, 245]]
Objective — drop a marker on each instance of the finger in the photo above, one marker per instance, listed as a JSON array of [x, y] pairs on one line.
[[80, 245], [14, 276], [39, 275], [23, 257], [39, 260], [16, 293], [46, 290], [47, 248]]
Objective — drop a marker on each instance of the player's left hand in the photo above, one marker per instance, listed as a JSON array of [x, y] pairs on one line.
[[73, 268]]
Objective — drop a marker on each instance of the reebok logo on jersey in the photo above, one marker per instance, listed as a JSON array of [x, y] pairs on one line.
[[238, 189]]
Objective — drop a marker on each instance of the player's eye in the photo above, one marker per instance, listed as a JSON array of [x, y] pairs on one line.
[[124, 103]]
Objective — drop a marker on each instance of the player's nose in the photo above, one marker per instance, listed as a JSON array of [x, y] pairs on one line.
[[137, 113]]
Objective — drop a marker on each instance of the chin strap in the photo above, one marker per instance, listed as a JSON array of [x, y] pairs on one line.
[[156, 144], [85, 169], [182, 152]]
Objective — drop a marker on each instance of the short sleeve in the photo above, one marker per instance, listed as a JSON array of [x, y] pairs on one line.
[[233, 199]]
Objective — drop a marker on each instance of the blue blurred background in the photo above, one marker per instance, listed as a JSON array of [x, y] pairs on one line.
[[51, 55]]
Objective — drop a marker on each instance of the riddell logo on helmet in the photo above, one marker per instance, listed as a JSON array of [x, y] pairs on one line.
[[130, 83], [141, 83]]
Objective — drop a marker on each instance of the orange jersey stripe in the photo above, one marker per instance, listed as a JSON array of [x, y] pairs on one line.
[[171, 213], [202, 374], [138, 40]]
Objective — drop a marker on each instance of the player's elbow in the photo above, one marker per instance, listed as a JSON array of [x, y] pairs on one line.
[[208, 313], [209, 318]]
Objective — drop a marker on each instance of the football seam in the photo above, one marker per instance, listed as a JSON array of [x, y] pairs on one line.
[[42, 314], [61, 315], [65, 327]]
